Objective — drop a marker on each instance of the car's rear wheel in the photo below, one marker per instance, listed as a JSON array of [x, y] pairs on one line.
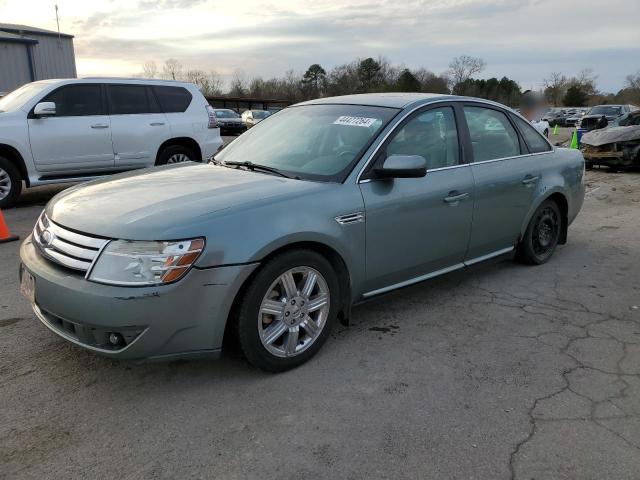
[[176, 154], [287, 310], [10, 183], [542, 235]]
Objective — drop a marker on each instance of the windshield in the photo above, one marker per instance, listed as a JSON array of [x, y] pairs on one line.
[[260, 113], [226, 114], [628, 119], [605, 110], [315, 142], [18, 97]]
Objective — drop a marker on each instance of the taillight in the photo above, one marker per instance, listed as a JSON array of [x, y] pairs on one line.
[[213, 121]]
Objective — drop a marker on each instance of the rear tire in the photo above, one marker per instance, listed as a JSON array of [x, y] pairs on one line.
[[302, 319], [10, 183], [542, 235], [176, 154]]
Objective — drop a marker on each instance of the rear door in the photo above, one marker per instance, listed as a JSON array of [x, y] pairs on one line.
[[78, 138], [505, 179], [417, 226], [137, 123]]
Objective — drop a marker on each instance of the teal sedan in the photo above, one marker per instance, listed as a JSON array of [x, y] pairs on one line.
[[319, 207]]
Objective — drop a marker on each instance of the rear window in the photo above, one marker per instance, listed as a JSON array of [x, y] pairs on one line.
[[173, 99], [130, 99], [532, 137]]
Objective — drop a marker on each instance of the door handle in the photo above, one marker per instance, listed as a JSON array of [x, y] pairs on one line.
[[156, 124], [455, 197], [99, 125], [529, 180]]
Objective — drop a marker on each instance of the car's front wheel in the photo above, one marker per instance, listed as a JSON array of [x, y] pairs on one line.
[[542, 235], [10, 183], [287, 310]]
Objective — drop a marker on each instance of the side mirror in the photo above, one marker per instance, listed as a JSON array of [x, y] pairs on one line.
[[44, 109], [402, 166]]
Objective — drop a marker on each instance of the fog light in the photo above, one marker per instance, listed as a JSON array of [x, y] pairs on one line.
[[116, 339]]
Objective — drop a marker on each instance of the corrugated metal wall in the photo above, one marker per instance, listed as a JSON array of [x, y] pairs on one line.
[[52, 58], [14, 66]]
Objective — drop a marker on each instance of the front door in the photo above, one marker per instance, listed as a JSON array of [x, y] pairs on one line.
[[505, 181], [417, 226], [78, 138], [138, 126]]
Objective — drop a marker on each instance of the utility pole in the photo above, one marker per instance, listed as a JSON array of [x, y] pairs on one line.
[[58, 23]]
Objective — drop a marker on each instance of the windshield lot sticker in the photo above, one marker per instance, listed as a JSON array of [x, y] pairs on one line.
[[355, 121]]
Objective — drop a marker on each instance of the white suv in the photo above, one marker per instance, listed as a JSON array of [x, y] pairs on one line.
[[73, 130]]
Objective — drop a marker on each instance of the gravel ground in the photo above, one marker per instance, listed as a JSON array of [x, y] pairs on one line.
[[502, 371]]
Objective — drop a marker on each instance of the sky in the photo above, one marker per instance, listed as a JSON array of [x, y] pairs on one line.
[[523, 39]]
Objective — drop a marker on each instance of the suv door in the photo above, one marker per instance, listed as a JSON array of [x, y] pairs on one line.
[[78, 138], [138, 126], [417, 226], [505, 180]]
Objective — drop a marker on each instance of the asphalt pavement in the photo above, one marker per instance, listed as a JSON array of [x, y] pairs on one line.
[[503, 371]]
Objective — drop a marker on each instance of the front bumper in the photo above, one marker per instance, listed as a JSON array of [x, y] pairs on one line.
[[180, 319]]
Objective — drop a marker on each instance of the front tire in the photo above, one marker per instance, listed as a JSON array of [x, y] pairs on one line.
[[10, 183], [542, 235], [176, 154], [287, 310]]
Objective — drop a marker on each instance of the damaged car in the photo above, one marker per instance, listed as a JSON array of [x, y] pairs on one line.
[[617, 146], [601, 116]]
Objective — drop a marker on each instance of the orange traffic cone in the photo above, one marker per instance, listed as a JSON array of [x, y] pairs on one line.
[[5, 236]]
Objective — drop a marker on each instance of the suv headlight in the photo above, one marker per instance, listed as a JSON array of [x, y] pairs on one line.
[[137, 263]]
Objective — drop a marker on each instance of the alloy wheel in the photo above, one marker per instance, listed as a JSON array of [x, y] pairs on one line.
[[5, 184], [294, 312], [178, 158]]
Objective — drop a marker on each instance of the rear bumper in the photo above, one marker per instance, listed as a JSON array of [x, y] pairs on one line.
[[184, 318], [211, 146]]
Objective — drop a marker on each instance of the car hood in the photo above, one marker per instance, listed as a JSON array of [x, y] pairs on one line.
[[608, 135], [164, 203]]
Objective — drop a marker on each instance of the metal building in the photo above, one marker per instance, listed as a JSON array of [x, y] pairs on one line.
[[29, 53]]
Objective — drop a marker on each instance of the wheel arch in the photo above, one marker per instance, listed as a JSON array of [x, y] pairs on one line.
[[560, 198], [331, 254], [187, 142], [13, 155]]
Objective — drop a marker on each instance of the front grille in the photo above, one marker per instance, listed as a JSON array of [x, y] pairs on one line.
[[65, 247]]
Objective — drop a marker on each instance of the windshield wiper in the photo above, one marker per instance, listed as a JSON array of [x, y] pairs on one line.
[[254, 166]]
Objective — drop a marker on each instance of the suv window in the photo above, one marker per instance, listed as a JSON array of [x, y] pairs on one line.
[[535, 141], [492, 135], [130, 99], [77, 100], [172, 99], [432, 135]]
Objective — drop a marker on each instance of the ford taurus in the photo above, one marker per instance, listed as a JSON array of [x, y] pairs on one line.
[[319, 207]]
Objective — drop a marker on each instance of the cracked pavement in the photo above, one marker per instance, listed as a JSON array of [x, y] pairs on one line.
[[500, 372]]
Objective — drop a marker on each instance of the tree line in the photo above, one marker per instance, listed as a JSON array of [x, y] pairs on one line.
[[369, 75]]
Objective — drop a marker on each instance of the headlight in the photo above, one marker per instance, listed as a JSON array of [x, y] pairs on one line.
[[134, 263]]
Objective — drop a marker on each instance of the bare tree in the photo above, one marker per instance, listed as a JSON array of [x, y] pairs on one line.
[[555, 87], [172, 69], [462, 68], [149, 69], [633, 81]]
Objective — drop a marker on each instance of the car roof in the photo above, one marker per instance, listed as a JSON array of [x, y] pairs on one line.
[[142, 81], [398, 100]]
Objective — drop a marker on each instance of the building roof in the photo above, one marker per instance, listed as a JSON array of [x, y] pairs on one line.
[[18, 29], [10, 37]]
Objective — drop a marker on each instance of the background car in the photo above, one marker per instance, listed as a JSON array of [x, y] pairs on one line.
[[600, 116], [329, 203], [230, 122], [252, 117], [554, 117], [55, 131]]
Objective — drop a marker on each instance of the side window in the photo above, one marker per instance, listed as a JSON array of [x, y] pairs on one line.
[[534, 140], [77, 100], [492, 136], [432, 135], [172, 99], [128, 99]]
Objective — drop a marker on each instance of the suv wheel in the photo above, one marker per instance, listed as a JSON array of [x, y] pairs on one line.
[[542, 234], [10, 183], [175, 154], [287, 310]]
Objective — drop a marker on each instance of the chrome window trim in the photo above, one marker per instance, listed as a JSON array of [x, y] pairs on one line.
[[449, 100]]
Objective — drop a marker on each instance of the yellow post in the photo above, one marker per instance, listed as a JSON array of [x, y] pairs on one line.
[[555, 129]]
